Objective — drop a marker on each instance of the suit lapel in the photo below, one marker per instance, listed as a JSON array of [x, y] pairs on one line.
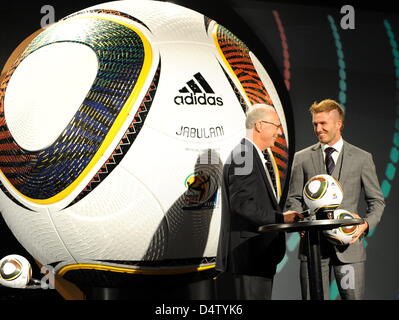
[[344, 159], [317, 159], [346, 154]]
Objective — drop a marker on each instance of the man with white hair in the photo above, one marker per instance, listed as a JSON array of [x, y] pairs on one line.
[[248, 202]]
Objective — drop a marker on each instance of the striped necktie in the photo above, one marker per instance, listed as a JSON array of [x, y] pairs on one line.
[[270, 169], [330, 164]]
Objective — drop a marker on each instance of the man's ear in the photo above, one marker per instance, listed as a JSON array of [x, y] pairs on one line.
[[340, 124]]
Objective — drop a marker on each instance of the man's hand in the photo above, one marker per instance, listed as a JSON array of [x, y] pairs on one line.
[[292, 216], [360, 230]]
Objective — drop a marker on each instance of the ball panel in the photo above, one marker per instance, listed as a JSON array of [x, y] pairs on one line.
[[107, 12], [169, 22], [182, 205], [52, 109], [100, 116], [44, 243], [194, 105], [88, 228], [10, 269], [127, 140], [316, 188], [156, 166]]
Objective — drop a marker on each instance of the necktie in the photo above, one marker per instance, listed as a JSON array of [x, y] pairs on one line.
[[270, 169], [330, 164]]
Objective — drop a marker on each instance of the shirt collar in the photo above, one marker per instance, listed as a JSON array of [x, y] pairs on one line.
[[262, 157], [337, 146]]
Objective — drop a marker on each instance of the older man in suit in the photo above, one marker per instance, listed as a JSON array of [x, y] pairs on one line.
[[248, 202], [355, 170]]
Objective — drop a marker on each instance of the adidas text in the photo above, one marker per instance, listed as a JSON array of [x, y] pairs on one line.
[[202, 99]]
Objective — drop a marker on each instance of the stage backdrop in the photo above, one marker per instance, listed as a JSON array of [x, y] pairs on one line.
[[321, 54], [349, 54]]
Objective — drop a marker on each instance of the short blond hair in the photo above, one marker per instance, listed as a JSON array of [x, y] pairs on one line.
[[327, 105]]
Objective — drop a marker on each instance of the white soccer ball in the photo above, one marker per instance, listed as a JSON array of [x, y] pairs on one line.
[[341, 235], [117, 121], [15, 271], [322, 192]]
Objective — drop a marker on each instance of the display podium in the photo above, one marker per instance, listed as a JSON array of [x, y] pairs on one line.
[[312, 240]]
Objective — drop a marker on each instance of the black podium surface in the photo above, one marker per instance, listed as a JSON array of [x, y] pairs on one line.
[[325, 224], [313, 229]]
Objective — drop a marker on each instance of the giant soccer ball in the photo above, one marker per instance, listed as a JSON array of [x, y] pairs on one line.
[[341, 235], [115, 124], [322, 192]]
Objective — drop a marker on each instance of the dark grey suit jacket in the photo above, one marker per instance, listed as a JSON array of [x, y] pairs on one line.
[[247, 203], [355, 170]]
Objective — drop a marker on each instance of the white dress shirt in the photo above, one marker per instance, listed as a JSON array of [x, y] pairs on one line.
[[262, 158], [338, 148], [260, 153]]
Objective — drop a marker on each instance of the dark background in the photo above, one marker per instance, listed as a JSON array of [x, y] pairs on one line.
[[363, 76]]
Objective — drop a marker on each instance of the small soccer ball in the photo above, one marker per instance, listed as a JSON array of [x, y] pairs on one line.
[[15, 271], [322, 192], [341, 235]]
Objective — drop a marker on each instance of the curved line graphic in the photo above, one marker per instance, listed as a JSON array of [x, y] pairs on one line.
[[390, 170], [341, 63], [284, 45]]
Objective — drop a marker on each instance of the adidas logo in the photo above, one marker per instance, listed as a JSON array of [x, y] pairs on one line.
[[198, 92]]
